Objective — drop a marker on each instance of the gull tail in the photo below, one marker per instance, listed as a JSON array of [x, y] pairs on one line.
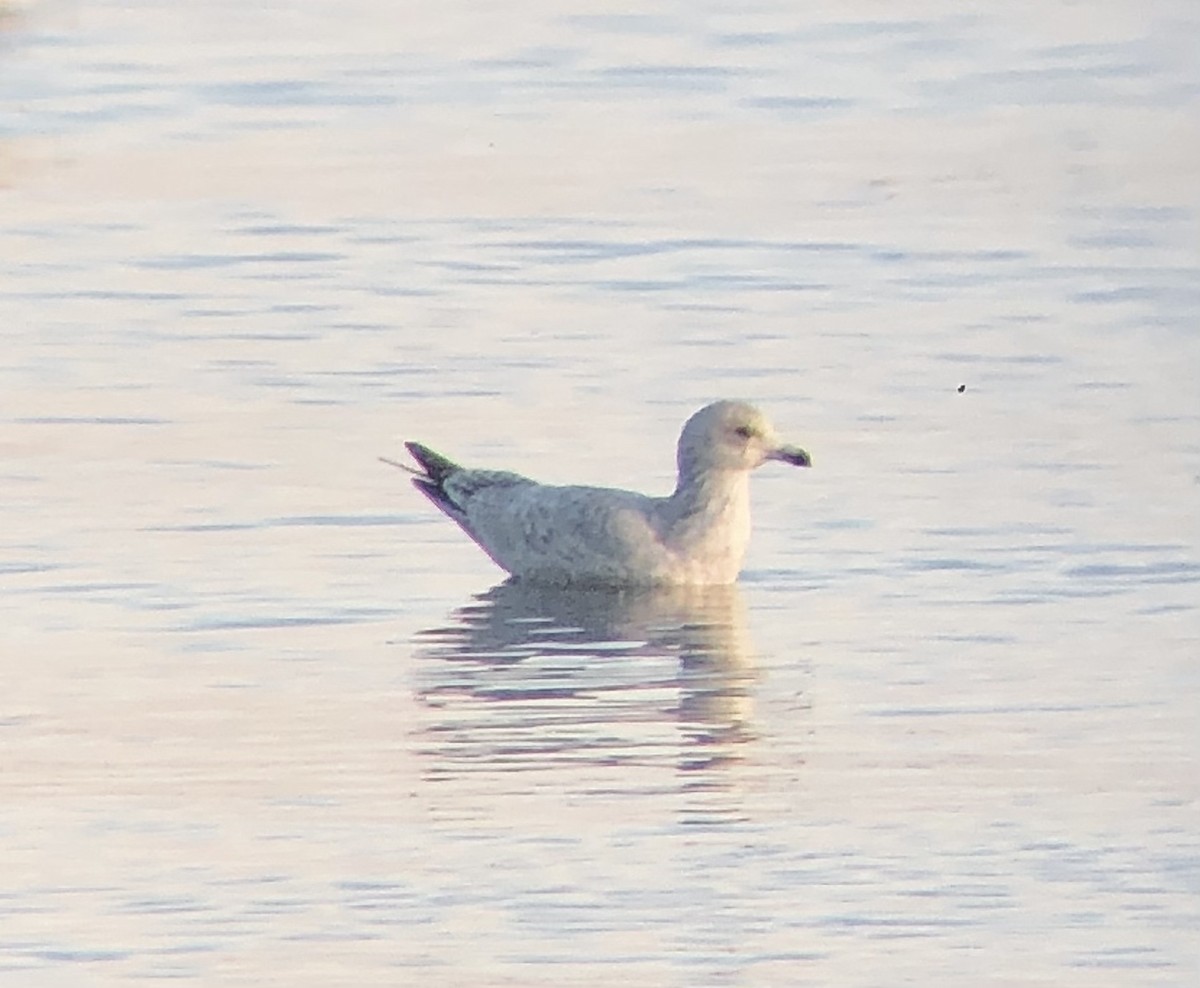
[[437, 468], [431, 478]]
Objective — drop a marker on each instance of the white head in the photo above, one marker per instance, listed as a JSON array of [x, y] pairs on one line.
[[732, 436]]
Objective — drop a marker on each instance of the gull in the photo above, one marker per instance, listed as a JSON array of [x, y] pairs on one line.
[[600, 536]]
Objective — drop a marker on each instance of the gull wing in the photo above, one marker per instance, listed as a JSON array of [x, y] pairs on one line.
[[451, 486]]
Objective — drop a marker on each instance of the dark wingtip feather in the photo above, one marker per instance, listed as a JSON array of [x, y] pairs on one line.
[[438, 469], [436, 466]]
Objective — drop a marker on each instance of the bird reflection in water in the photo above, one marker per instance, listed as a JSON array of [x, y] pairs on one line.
[[530, 677]]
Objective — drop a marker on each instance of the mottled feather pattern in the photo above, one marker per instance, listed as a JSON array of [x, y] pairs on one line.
[[598, 535], [465, 485]]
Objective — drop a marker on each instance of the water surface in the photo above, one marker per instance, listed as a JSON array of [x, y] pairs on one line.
[[267, 717]]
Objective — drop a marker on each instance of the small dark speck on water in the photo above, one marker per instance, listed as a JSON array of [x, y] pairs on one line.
[[962, 388]]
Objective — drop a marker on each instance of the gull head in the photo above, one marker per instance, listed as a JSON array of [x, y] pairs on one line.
[[732, 436]]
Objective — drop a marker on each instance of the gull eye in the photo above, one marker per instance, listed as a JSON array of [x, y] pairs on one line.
[[745, 431]]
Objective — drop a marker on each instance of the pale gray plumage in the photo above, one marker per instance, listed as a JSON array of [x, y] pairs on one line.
[[599, 535]]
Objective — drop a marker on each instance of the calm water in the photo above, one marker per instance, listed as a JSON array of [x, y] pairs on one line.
[[267, 719]]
